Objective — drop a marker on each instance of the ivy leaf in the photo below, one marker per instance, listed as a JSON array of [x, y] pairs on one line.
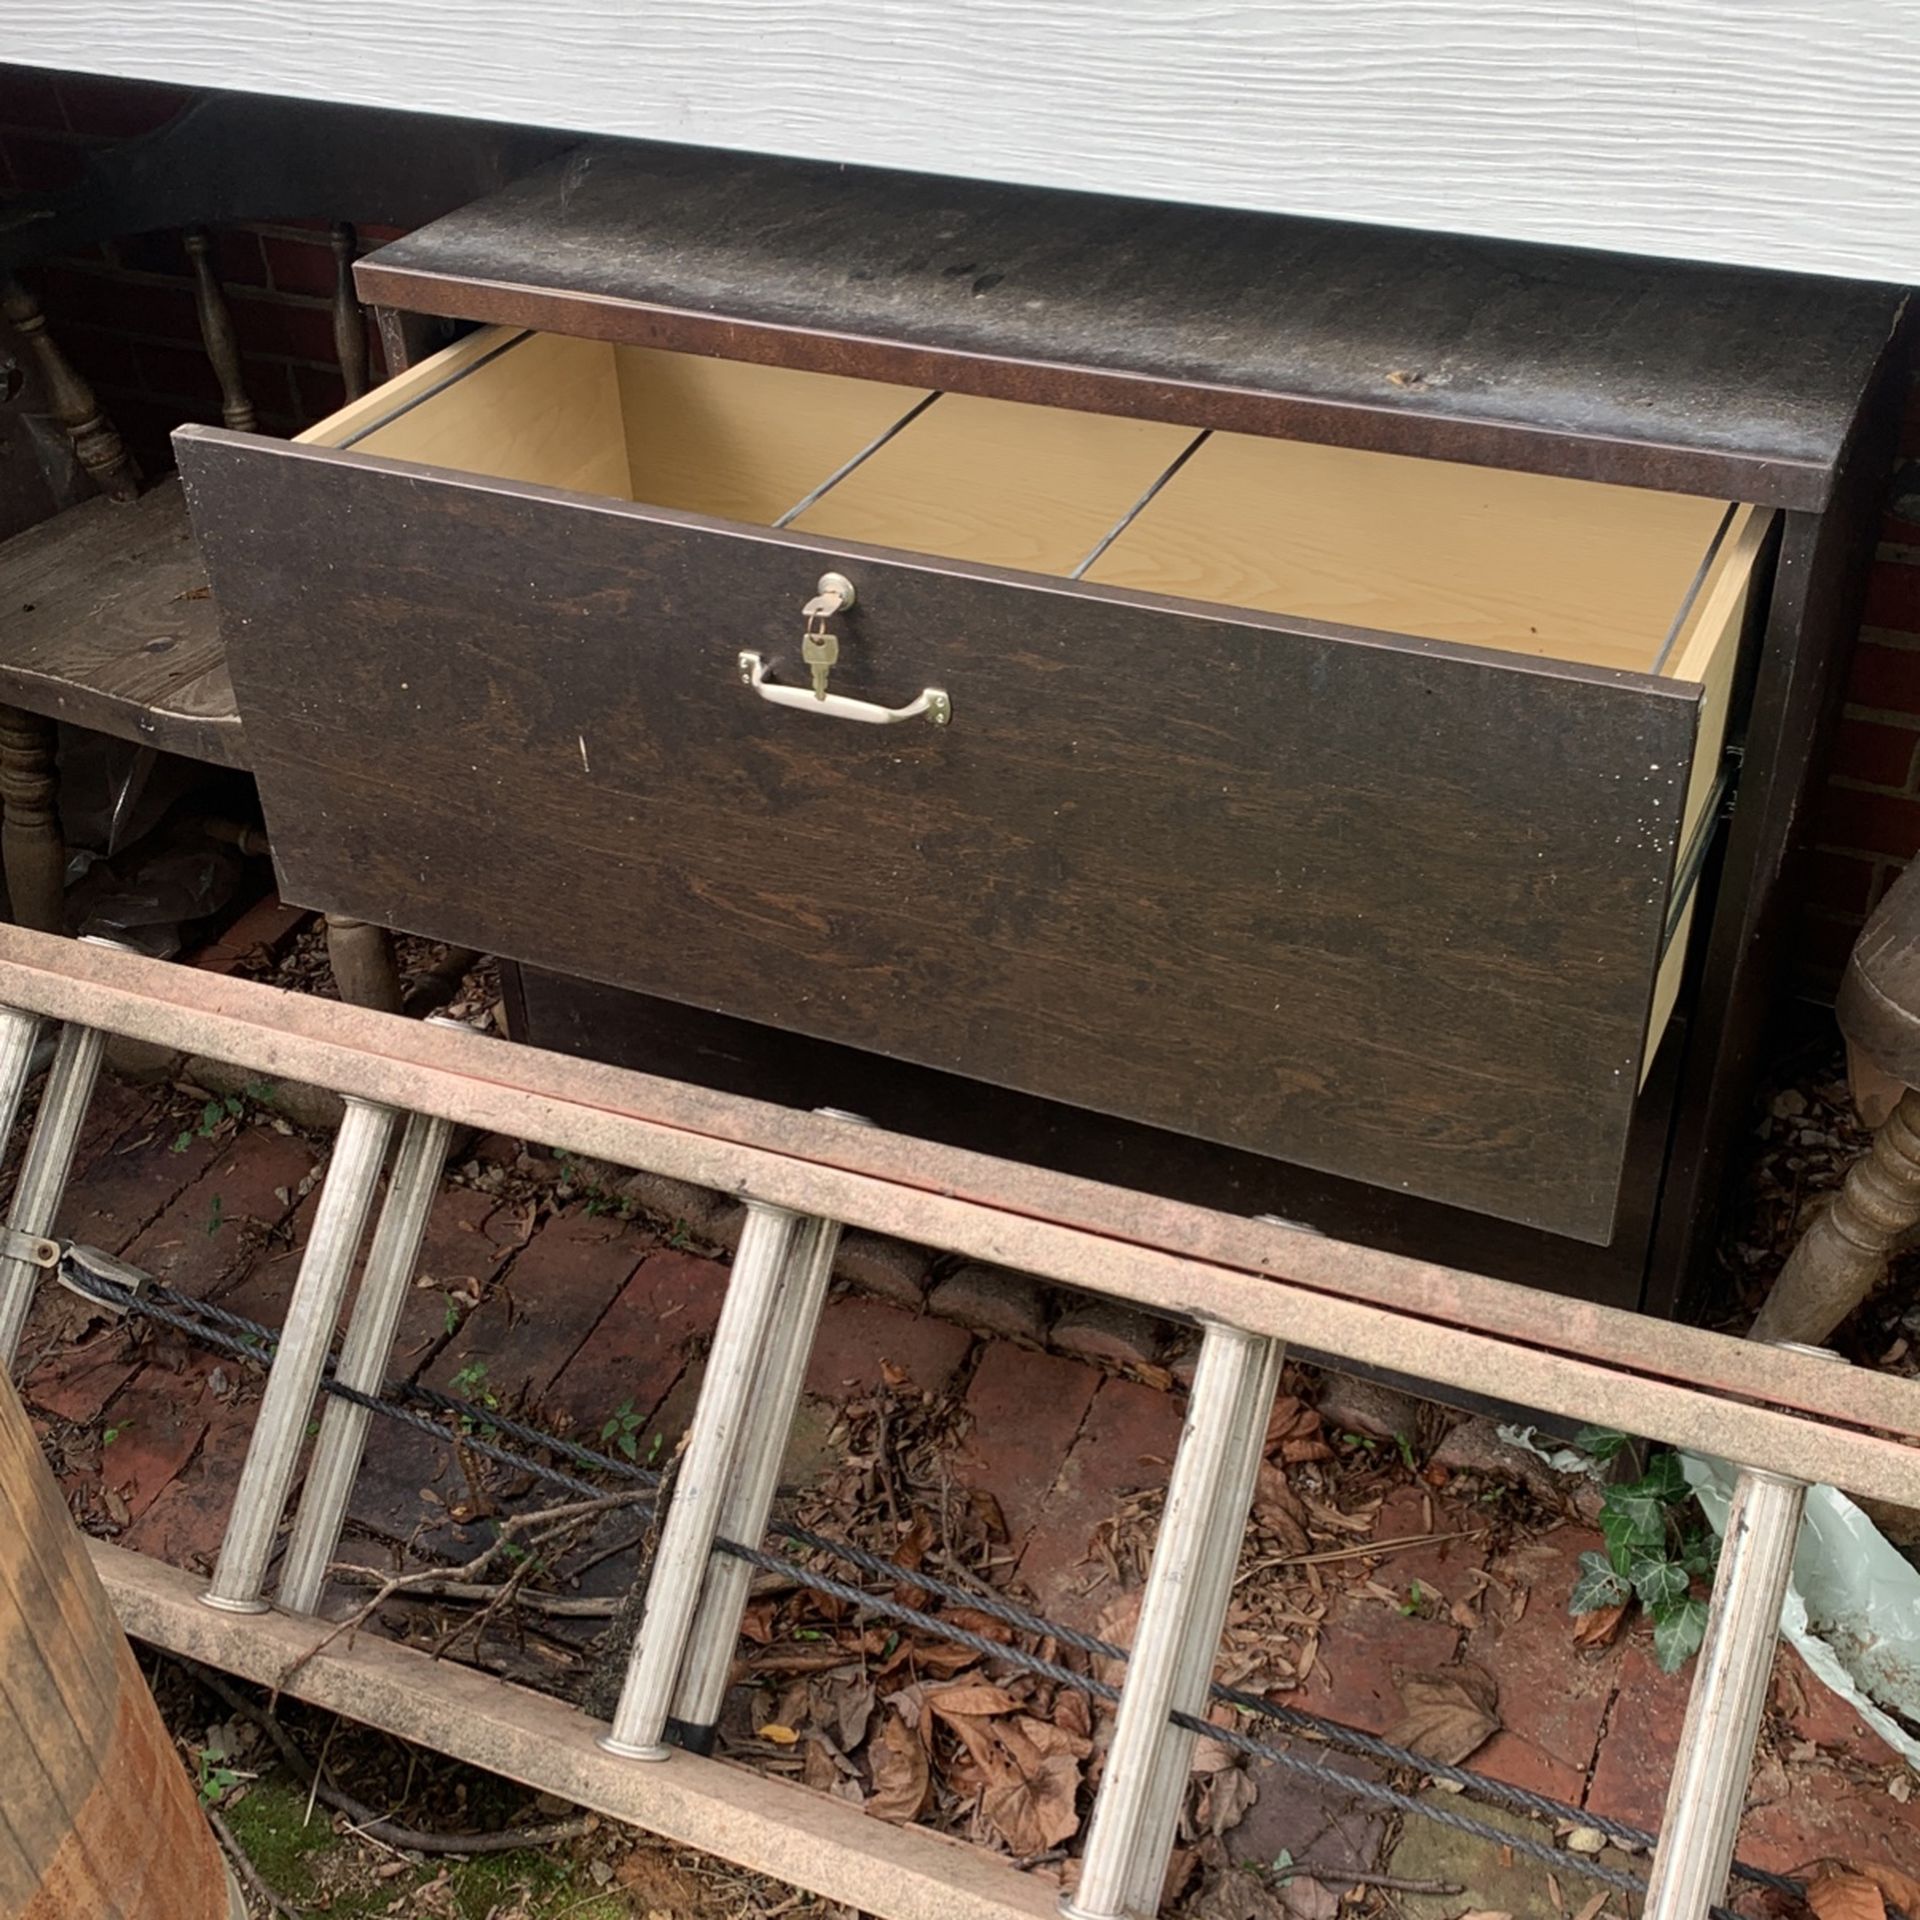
[[1700, 1554], [1663, 1480], [1678, 1629], [1599, 1443], [1658, 1580], [1598, 1586], [1631, 1520]]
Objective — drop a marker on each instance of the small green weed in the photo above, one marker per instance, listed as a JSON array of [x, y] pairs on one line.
[[622, 1431], [470, 1383], [214, 1778], [213, 1116]]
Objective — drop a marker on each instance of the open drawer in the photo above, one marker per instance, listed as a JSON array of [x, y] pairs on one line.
[[1335, 805]]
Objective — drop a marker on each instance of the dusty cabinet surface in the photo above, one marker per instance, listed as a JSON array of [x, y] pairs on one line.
[[1312, 753]]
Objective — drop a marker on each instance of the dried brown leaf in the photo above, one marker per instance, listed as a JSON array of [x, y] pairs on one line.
[[1047, 1736], [1449, 1715], [1902, 1889], [1334, 1521], [1119, 1621], [1279, 1510], [1030, 1801], [939, 1658], [1224, 1800], [986, 1509], [1305, 1898], [1841, 1894], [1601, 1627], [983, 1624], [1180, 1869], [986, 1753], [852, 1703], [900, 1774], [975, 1698], [1073, 1714], [818, 1770], [1290, 1419]]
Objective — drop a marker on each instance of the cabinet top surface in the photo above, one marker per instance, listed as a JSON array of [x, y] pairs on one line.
[[1718, 380]]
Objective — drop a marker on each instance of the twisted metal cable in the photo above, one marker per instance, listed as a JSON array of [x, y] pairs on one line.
[[246, 1339], [1243, 1743]]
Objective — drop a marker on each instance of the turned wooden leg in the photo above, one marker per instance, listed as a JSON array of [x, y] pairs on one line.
[[349, 323], [98, 447], [364, 968], [1837, 1261], [31, 845], [217, 334]]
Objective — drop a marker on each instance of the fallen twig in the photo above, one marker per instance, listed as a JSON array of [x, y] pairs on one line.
[[374, 1826], [1365, 1550], [553, 1520], [1387, 1882], [559, 1605], [247, 1871]]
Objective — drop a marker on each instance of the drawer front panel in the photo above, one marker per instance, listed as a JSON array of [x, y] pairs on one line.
[[1387, 909]]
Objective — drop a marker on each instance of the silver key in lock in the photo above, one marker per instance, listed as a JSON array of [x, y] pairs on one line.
[[819, 645]]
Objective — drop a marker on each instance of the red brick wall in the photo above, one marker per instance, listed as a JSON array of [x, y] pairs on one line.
[[126, 316], [1868, 825]]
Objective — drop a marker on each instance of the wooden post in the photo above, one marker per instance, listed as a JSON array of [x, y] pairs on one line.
[[407, 338], [32, 846], [1840, 1258], [101, 1819], [364, 967], [216, 331], [349, 323], [97, 445]]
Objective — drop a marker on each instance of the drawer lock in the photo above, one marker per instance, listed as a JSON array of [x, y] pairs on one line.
[[820, 650], [819, 644]]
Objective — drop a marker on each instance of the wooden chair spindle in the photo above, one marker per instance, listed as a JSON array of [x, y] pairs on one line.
[[216, 331], [349, 323], [96, 443]]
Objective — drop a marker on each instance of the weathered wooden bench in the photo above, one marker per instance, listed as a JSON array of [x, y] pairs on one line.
[[105, 619]]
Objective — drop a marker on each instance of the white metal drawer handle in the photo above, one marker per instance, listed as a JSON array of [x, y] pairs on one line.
[[933, 703]]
